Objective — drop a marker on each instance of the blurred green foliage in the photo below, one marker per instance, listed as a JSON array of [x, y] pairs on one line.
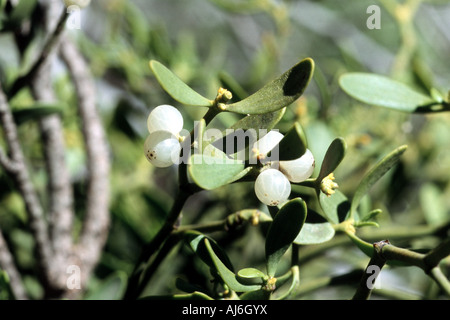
[[207, 43]]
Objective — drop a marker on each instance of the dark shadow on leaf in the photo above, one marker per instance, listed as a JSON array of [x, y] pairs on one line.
[[342, 210], [296, 81]]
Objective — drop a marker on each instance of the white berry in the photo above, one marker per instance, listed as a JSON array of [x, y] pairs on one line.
[[300, 169], [272, 187], [264, 145], [162, 149], [165, 117]]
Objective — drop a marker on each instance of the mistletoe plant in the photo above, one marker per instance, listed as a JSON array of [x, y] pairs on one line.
[[273, 161]]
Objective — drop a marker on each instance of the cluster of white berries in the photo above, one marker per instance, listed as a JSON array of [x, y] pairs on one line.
[[162, 147], [272, 186]]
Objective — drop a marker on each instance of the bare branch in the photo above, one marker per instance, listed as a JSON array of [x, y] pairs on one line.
[[96, 223], [374, 267], [60, 213], [50, 44], [7, 264], [21, 176], [7, 163]]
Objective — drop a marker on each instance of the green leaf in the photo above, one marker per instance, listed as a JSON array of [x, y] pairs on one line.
[[176, 88], [213, 170], [294, 283], [335, 207], [333, 157], [35, 112], [112, 288], [196, 241], [279, 93], [226, 274], [251, 273], [282, 232], [373, 176], [259, 121], [292, 146], [365, 247], [315, 233], [247, 131], [382, 91]]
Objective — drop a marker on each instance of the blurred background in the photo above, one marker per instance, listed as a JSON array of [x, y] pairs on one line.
[[242, 45]]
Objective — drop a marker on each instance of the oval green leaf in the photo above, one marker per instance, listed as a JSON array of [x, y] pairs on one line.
[[213, 171], [282, 232], [247, 131], [251, 273], [226, 274], [381, 91], [279, 93], [257, 122], [315, 233], [196, 241], [335, 207], [333, 157], [383, 166], [176, 88]]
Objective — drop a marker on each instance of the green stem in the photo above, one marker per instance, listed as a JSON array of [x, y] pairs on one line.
[[391, 252], [132, 291], [374, 267], [437, 275], [232, 221], [143, 271], [433, 257], [149, 271]]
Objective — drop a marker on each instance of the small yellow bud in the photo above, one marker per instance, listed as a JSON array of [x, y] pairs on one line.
[[327, 185], [255, 218], [270, 284], [224, 95]]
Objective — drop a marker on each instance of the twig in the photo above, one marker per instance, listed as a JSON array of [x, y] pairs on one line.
[[437, 275], [7, 163], [60, 212], [21, 176], [372, 270], [7, 264], [134, 285], [50, 44], [95, 226], [433, 257]]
